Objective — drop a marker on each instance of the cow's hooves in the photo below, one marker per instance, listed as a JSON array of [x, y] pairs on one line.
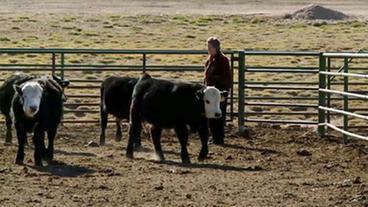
[[102, 142], [118, 138], [19, 162], [159, 158], [201, 158], [186, 161], [38, 164], [48, 160], [129, 155], [137, 146]]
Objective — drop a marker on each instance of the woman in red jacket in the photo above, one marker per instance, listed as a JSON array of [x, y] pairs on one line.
[[218, 74]]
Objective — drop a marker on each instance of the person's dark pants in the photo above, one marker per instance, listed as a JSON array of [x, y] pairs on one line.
[[217, 126]]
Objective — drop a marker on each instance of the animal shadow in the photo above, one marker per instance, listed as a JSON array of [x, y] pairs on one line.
[[61, 169]]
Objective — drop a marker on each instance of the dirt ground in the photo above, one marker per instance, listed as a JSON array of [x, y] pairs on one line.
[[205, 7], [264, 169]]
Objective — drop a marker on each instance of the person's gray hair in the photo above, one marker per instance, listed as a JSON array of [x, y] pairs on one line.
[[215, 42]]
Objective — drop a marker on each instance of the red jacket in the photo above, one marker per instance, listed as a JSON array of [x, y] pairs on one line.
[[218, 72]]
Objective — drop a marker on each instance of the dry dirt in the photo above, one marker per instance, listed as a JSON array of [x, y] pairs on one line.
[[315, 12], [264, 170]]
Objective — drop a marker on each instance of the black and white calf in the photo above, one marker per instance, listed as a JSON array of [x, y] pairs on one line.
[[6, 96], [7, 93], [37, 107], [177, 105], [116, 96]]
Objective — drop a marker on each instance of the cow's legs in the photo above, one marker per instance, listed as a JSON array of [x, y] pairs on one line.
[[118, 134], [203, 134], [9, 123], [39, 144], [51, 133], [182, 133], [103, 122], [22, 137], [156, 139]]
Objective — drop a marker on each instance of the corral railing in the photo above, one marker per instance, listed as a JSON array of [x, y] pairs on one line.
[[353, 102], [269, 87], [86, 68], [283, 91]]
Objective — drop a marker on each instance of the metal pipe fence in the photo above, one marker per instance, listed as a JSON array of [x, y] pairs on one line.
[[252, 104], [285, 87], [83, 94], [325, 93]]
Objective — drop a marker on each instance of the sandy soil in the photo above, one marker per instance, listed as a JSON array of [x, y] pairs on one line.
[[264, 170], [268, 7]]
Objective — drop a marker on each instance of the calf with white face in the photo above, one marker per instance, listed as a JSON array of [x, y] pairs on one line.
[[173, 105], [31, 94], [37, 108], [212, 98]]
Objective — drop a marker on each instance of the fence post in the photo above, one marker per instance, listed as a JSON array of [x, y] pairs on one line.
[[328, 95], [232, 88], [346, 98], [53, 64], [322, 96], [144, 62], [241, 80], [62, 66]]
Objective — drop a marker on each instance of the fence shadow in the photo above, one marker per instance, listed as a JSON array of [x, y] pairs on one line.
[[261, 150], [83, 154], [210, 166]]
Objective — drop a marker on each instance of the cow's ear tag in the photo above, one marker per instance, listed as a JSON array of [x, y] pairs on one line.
[[42, 84], [224, 94], [200, 94], [65, 83], [18, 89]]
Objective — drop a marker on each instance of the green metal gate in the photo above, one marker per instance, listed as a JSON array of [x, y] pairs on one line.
[[354, 101], [288, 100]]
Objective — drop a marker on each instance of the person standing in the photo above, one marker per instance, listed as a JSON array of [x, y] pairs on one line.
[[218, 74]]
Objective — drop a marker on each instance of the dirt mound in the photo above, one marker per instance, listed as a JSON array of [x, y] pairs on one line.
[[317, 12]]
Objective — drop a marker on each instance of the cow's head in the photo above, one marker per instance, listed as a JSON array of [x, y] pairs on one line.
[[31, 94], [212, 97]]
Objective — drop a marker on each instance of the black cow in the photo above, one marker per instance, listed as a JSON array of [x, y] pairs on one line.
[[177, 105], [6, 96], [116, 96], [37, 107], [7, 93]]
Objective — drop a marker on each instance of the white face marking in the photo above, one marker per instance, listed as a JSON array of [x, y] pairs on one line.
[[212, 98], [31, 96]]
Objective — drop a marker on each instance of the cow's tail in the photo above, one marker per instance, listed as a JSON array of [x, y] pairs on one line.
[[102, 101]]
